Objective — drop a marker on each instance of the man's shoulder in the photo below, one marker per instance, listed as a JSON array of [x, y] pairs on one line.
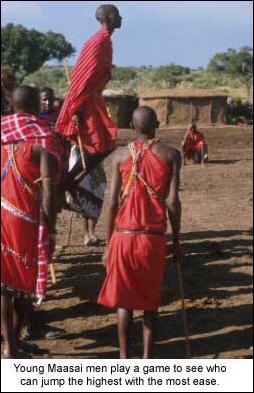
[[120, 154], [97, 38], [168, 152]]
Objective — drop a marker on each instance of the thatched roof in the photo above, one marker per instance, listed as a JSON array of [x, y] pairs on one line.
[[116, 93], [184, 93]]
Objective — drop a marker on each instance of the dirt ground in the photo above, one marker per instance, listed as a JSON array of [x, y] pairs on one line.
[[217, 268]]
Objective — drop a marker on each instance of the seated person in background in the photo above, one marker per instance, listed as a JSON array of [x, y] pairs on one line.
[[194, 146]]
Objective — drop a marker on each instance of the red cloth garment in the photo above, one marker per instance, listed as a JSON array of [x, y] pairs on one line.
[[64, 145], [89, 77], [22, 127], [24, 249], [193, 142], [50, 117], [135, 264]]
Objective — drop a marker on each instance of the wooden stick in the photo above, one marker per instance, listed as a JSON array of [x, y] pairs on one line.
[[52, 273], [82, 153], [184, 317]]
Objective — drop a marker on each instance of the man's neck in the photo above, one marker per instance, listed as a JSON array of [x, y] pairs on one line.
[[110, 30], [140, 136]]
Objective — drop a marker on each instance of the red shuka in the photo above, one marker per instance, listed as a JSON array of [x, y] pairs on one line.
[[89, 77], [135, 264], [24, 242], [192, 143]]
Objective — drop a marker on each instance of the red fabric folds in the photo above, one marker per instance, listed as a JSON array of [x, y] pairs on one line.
[[89, 77], [24, 243]]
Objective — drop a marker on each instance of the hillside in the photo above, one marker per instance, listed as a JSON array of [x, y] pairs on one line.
[[145, 79]]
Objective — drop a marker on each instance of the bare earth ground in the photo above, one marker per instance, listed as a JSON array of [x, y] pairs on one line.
[[217, 269]]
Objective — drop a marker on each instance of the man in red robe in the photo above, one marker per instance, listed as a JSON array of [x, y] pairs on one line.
[[29, 162], [146, 175], [84, 110], [194, 145]]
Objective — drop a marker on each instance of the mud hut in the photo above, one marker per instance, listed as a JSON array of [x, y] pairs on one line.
[[120, 106], [177, 107]]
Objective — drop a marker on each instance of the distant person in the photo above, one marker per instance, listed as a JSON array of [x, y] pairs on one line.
[[8, 84], [194, 145], [145, 174], [230, 110], [48, 110], [84, 108], [29, 164]]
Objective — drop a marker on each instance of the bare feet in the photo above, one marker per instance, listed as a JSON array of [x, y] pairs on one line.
[[91, 240]]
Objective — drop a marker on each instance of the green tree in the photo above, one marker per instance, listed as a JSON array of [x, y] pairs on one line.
[[124, 74], [171, 74], [27, 50], [236, 63]]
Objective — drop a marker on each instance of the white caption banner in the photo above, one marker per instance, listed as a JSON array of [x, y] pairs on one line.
[[176, 375]]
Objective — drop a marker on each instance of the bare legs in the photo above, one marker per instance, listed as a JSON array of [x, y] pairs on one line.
[[89, 228], [20, 315], [13, 315], [124, 321], [11, 348], [148, 332]]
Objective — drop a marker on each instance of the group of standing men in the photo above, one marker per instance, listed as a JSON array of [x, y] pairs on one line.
[[145, 184]]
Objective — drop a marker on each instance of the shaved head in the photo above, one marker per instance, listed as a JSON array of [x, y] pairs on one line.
[[108, 15], [26, 99], [105, 10], [144, 120]]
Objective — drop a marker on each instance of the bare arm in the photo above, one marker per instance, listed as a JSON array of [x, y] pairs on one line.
[[114, 197], [113, 204], [47, 164]]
